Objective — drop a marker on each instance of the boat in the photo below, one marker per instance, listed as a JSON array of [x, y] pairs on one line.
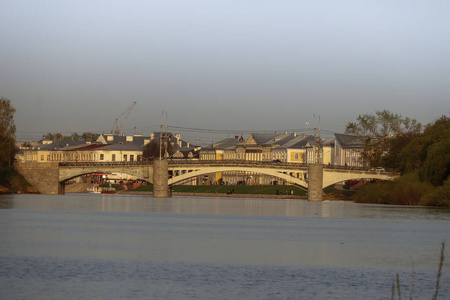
[[95, 189], [108, 190]]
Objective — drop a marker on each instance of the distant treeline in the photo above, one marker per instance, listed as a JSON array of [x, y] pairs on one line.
[[423, 159], [86, 136]]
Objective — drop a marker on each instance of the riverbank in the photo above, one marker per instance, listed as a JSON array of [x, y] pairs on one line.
[[13, 183], [219, 195], [260, 191], [328, 197]]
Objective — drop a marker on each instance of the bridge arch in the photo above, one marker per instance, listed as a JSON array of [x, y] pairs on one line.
[[190, 172], [141, 172], [334, 176]]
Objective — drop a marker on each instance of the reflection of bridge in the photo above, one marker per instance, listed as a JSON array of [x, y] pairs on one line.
[[49, 178]]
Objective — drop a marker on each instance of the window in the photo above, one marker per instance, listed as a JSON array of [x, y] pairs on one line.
[[113, 157], [42, 157], [102, 156], [124, 157], [139, 158], [296, 156], [131, 157]]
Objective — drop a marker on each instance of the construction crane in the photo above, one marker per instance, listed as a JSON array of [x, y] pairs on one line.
[[116, 128]]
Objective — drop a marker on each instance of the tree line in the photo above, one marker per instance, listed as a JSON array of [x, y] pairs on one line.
[[85, 136], [421, 154], [7, 132]]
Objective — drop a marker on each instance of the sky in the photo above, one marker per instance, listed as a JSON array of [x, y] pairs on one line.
[[213, 69]]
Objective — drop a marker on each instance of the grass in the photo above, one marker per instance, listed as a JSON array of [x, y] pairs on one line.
[[238, 189]]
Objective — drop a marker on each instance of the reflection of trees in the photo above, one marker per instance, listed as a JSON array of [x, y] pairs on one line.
[[6, 203]]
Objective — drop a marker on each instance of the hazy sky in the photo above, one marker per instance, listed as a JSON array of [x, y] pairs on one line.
[[234, 65]]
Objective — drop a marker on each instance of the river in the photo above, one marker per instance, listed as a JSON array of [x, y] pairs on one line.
[[86, 246]]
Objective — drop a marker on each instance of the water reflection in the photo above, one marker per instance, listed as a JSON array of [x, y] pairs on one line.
[[119, 246], [218, 206]]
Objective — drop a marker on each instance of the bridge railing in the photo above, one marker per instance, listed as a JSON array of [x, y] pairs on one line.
[[237, 162], [106, 163], [249, 163]]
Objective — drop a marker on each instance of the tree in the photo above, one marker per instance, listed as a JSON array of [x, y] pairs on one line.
[[151, 150], [90, 136], [376, 132], [53, 137], [7, 132], [86, 136]]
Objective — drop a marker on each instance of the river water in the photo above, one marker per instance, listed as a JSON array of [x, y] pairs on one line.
[[85, 246]]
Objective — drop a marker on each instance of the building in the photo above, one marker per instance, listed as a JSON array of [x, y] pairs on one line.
[[348, 151], [264, 147]]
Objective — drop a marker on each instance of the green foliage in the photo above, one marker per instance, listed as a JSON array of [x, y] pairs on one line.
[[14, 181], [86, 136], [436, 167], [424, 160], [7, 132], [429, 153], [378, 193], [439, 196], [375, 132], [395, 157], [414, 154], [406, 190]]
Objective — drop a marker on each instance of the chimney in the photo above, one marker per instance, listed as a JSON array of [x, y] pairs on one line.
[[295, 134], [129, 138], [236, 137], [285, 132]]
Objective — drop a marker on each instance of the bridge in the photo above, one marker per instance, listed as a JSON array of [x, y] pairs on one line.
[[50, 178]]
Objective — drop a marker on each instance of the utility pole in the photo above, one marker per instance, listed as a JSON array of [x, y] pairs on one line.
[[166, 155], [160, 135], [317, 142]]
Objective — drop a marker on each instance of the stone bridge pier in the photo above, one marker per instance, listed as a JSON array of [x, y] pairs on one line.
[[44, 177], [161, 179], [315, 182]]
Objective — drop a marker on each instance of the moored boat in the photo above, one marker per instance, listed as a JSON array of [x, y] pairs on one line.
[[94, 189]]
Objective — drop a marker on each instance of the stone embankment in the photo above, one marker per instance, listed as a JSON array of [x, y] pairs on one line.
[[78, 187], [221, 195]]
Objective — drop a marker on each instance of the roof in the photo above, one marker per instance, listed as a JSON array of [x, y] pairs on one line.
[[226, 144], [299, 142], [268, 138], [349, 141], [57, 145], [128, 146], [141, 140], [84, 147]]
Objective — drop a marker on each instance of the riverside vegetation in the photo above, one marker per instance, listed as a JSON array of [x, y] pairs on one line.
[[423, 159]]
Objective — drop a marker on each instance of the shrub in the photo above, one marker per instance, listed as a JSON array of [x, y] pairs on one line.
[[439, 196], [406, 190]]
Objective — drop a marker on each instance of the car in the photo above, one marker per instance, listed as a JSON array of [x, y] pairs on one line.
[[377, 169]]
